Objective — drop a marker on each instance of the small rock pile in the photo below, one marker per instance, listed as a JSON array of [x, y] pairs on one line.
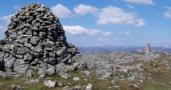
[[35, 41]]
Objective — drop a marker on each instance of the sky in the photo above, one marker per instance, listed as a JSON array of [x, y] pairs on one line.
[[104, 22]]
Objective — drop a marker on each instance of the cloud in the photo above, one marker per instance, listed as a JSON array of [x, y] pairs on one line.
[[79, 30], [61, 11], [144, 2], [5, 19], [84, 9], [83, 36], [115, 15], [106, 15], [167, 13]]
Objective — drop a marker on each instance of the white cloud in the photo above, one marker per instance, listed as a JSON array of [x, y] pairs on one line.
[[79, 30], [5, 19], [75, 30], [85, 9], [115, 15], [83, 36], [167, 13], [106, 15], [61, 11], [145, 2]]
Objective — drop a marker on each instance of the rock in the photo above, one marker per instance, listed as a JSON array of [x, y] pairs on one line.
[[29, 73], [60, 84], [50, 70], [114, 81], [28, 57], [59, 52], [42, 69], [61, 69], [3, 74], [116, 86], [10, 62], [89, 87], [34, 40], [87, 73], [76, 78], [140, 67], [20, 66], [16, 87], [22, 50], [78, 87], [135, 85], [131, 78], [50, 84]]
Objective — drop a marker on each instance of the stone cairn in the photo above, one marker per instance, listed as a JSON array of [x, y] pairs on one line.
[[35, 41]]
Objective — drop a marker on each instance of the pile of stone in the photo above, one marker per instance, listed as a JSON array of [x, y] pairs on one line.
[[35, 41]]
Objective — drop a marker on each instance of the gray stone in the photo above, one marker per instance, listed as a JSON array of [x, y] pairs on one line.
[[42, 34], [20, 66], [27, 45], [140, 67], [114, 81], [61, 69], [76, 78], [89, 87], [28, 57], [77, 87], [87, 73], [131, 78], [16, 87], [59, 52], [34, 40], [3, 74], [50, 70], [42, 69], [29, 73], [50, 84], [10, 62], [38, 48], [22, 50]]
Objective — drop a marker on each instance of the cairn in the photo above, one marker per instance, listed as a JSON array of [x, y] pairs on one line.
[[147, 49], [35, 41]]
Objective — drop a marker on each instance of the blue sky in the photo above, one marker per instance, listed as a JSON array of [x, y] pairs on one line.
[[105, 22]]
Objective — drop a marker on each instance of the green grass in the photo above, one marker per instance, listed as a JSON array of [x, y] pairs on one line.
[[159, 81]]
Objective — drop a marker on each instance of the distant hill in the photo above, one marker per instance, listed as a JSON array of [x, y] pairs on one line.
[[96, 49]]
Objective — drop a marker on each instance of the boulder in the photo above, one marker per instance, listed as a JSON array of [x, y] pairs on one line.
[[89, 87], [50, 84]]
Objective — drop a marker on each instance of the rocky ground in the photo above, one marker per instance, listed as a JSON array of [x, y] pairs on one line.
[[105, 71]]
